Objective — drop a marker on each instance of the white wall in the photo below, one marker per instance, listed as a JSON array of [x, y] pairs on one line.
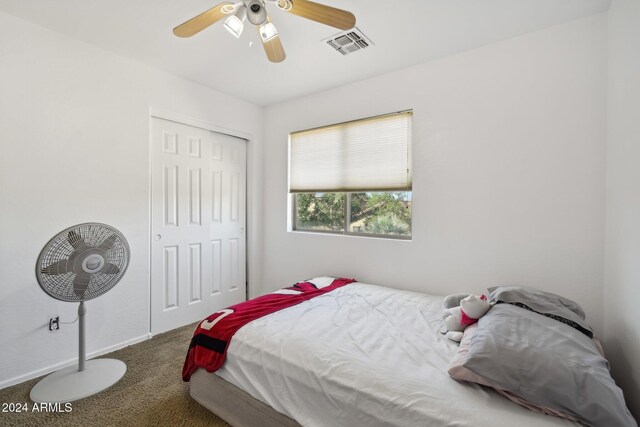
[[622, 279], [74, 138], [508, 171]]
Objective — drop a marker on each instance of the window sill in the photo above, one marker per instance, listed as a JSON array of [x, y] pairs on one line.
[[354, 235]]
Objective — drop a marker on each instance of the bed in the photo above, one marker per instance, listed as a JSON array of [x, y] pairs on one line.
[[359, 355]]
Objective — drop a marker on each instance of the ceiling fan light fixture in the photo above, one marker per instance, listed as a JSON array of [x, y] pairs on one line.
[[268, 31], [235, 23], [256, 11]]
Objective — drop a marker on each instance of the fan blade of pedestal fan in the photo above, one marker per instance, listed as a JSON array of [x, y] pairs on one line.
[[108, 243], [110, 269], [80, 284], [58, 267], [75, 240]]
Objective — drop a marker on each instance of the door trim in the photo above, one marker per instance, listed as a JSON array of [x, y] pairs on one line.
[[190, 121]]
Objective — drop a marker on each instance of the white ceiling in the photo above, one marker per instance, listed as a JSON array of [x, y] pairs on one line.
[[404, 32]]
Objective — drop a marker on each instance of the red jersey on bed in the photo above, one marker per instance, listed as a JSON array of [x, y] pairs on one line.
[[211, 338]]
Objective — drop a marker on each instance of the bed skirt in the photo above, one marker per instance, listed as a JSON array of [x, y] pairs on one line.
[[235, 406]]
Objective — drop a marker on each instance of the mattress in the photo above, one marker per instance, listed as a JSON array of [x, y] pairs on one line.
[[363, 355]]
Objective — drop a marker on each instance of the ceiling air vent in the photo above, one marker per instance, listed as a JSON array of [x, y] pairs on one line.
[[350, 41]]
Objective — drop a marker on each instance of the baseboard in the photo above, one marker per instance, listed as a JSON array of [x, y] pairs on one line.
[[35, 374]]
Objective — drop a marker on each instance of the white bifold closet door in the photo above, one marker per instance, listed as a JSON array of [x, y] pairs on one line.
[[198, 219]]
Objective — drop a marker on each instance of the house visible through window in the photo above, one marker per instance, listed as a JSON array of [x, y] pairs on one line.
[[353, 178]]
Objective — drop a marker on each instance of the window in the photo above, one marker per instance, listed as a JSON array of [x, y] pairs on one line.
[[371, 213], [353, 178]]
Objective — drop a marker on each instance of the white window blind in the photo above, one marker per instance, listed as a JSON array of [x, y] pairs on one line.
[[365, 155]]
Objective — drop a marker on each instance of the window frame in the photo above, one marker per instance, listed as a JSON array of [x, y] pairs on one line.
[[347, 219], [349, 190]]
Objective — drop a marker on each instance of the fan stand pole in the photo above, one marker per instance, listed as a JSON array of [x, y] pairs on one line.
[[82, 355], [77, 382]]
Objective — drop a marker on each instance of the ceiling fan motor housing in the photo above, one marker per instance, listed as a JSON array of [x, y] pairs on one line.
[[256, 11]]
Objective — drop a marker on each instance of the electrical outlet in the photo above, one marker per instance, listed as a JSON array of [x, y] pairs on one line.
[[54, 323]]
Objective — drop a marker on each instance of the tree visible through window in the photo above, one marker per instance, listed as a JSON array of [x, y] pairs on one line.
[[373, 213]]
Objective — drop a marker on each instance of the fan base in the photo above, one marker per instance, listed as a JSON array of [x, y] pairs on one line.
[[69, 384]]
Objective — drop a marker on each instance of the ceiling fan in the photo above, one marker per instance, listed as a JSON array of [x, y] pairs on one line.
[[255, 12]]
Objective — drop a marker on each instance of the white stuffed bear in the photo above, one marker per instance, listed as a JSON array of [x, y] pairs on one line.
[[456, 319]]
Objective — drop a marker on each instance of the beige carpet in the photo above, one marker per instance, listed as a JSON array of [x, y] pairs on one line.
[[151, 393]]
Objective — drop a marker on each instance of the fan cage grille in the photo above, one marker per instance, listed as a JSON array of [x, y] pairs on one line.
[[58, 249]]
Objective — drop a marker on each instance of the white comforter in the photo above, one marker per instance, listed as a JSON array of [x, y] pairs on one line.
[[364, 355]]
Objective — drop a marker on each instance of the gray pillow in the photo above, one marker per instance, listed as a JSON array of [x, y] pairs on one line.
[[546, 362], [551, 305]]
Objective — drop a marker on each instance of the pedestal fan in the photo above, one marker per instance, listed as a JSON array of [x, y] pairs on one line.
[[79, 264]]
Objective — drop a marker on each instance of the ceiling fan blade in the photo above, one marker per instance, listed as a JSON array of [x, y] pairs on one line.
[[58, 267], [80, 284], [75, 240], [195, 25], [274, 50], [110, 269], [272, 47], [327, 15], [108, 243]]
